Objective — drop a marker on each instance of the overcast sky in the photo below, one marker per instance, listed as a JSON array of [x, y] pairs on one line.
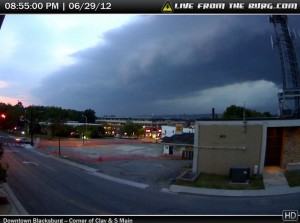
[[128, 65]]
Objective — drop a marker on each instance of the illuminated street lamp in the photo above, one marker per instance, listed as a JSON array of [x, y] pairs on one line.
[[85, 129], [3, 116]]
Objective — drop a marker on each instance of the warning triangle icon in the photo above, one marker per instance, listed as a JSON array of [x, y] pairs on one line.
[[167, 7]]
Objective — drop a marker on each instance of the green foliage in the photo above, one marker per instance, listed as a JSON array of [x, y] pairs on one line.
[[267, 114], [3, 172], [61, 130], [12, 113], [90, 116], [237, 112], [90, 131], [293, 178], [215, 181], [3, 168], [51, 114], [29, 117], [132, 129]]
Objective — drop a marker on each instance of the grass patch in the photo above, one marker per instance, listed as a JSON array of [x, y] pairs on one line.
[[293, 178], [214, 181]]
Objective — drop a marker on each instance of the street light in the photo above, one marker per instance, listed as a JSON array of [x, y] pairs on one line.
[[3, 116], [85, 129]]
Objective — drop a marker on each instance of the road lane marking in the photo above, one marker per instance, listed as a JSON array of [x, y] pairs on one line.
[[37, 164], [12, 151], [10, 144], [93, 172], [60, 195], [40, 154], [49, 167], [27, 162]]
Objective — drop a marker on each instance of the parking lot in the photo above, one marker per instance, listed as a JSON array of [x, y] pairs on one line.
[[130, 160]]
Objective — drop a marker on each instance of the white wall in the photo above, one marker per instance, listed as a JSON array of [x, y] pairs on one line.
[[168, 131]]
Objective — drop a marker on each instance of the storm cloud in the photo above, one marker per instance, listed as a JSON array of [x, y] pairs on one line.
[[172, 64]]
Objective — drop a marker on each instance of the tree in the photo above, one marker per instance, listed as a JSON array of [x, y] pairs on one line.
[[29, 117], [237, 112], [90, 115], [132, 129], [3, 168], [12, 115], [267, 114], [90, 131]]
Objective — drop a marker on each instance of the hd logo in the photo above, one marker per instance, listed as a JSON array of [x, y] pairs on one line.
[[290, 215]]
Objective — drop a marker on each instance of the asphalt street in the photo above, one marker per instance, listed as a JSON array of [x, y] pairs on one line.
[[45, 185]]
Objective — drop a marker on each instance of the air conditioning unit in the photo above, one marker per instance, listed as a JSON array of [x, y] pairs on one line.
[[239, 175]]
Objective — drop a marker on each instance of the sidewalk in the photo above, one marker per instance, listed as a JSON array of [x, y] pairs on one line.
[[282, 190], [10, 205], [5, 206], [271, 189]]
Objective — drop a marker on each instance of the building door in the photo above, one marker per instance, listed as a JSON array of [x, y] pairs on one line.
[[274, 146], [171, 150]]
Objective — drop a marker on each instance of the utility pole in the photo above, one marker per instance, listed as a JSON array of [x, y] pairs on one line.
[[31, 128], [85, 129], [59, 138]]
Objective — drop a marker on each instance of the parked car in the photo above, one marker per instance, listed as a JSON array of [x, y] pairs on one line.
[[74, 135], [23, 140]]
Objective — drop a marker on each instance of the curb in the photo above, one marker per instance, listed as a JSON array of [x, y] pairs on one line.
[[269, 191], [95, 172], [272, 191], [16, 207], [5, 206]]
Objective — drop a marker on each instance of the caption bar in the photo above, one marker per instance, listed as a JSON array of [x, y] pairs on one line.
[[138, 219], [153, 6], [69, 220]]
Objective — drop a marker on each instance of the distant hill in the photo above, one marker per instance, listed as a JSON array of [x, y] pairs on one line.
[[172, 116]]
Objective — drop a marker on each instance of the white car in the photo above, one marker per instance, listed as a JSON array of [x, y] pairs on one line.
[[23, 140]]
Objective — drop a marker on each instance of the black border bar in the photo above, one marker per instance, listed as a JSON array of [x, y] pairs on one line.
[[140, 219], [150, 6]]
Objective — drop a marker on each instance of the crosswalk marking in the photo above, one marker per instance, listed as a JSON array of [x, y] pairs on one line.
[[9, 144]]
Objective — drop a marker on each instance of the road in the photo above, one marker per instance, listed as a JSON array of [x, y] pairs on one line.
[[46, 186]]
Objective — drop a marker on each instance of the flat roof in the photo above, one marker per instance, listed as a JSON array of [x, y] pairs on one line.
[[266, 122]]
